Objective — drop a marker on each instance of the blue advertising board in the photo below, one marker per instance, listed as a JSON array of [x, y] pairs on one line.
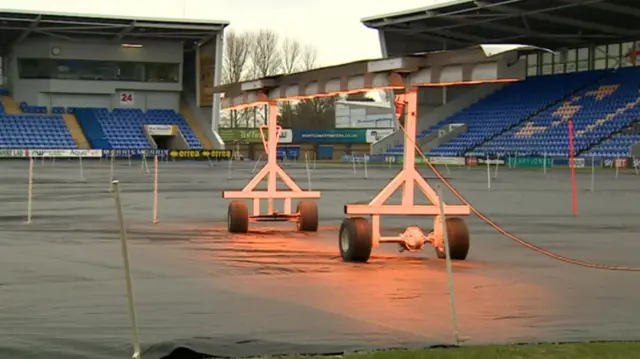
[[288, 152], [332, 136], [325, 152]]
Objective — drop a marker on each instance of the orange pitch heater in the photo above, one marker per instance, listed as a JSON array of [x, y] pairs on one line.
[[357, 236], [306, 214]]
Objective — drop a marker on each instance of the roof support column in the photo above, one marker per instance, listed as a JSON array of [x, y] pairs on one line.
[[217, 78], [390, 95]]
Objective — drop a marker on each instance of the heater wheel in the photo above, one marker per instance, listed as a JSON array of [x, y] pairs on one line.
[[238, 217], [355, 240], [308, 216], [458, 238]]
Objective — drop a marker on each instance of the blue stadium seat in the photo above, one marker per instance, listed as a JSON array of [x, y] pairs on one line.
[[35, 132], [597, 112], [124, 128], [504, 109], [26, 108], [616, 146]]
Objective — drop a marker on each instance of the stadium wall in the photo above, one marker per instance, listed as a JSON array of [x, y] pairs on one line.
[[431, 98], [99, 93]]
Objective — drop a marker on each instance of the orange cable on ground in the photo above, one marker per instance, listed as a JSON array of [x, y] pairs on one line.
[[509, 235]]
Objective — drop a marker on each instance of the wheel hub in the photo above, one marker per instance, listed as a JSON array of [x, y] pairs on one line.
[[413, 239], [344, 240]]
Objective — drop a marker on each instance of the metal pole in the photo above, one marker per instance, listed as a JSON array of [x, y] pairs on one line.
[[155, 189], [452, 292], [127, 271], [30, 191]]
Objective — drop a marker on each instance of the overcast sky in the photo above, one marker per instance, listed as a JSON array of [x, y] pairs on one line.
[[332, 25]]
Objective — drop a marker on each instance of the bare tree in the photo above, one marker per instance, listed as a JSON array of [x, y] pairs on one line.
[[236, 56], [266, 59], [317, 112], [291, 52], [263, 54], [235, 61], [309, 58]]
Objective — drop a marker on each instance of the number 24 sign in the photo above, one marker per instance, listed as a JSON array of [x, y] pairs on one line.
[[127, 98]]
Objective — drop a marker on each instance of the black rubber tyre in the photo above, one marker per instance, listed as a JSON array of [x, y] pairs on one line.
[[458, 236], [238, 217], [308, 220], [355, 240]]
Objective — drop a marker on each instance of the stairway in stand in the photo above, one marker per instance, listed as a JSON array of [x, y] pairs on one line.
[[76, 131], [10, 106], [195, 126]]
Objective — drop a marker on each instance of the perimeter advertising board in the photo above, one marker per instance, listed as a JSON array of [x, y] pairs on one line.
[[529, 162], [7, 153], [251, 135], [177, 154], [201, 154], [39, 153], [330, 136]]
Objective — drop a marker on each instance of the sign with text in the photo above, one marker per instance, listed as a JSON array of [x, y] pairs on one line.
[[531, 162], [580, 162], [201, 154], [161, 130], [127, 98], [333, 136], [64, 153], [577, 162], [491, 161], [251, 135], [449, 161], [375, 135], [616, 163], [121, 152], [86, 153], [6, 153]]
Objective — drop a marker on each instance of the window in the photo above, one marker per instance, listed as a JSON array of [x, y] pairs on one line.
[[532, 60], [158, 72], [613, 50], [626, 49], [532, 71], [583, 65], [613, 56], [571, 57], [35, 68], [583, 54], [558, 64], [600, 52], [547, 63], [600, 64], [97, 70], [129, 71], [82, 70]]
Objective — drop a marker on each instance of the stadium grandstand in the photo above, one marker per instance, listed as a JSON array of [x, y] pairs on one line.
[[590, 77], [82, 82]]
